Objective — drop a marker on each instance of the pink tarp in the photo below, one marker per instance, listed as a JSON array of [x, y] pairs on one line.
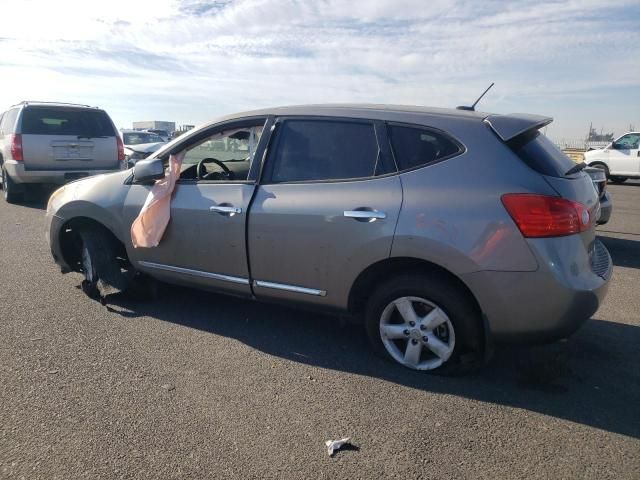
[[148, 228]]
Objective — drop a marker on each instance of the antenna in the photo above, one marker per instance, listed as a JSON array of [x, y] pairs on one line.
[[473, 107]]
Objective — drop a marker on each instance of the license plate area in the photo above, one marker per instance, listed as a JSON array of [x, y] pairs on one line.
[[64, 151]]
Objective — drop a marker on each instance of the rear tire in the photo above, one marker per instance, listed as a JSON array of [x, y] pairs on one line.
[[411, 339], [10, 189]]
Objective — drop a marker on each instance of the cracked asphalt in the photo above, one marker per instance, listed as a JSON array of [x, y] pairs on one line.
[[197, 385]]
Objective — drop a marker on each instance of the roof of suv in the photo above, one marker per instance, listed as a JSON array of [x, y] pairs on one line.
[[52, 104], [368, 109], [506, 126]]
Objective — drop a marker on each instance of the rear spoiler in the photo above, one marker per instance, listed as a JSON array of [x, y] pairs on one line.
[[508, 127]]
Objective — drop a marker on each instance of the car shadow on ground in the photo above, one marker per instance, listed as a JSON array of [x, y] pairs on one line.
[[591, 379], [37, 198], [624, 253]]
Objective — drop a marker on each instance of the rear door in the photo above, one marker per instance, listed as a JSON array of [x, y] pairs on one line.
[[58, 138], [325, 210], [623, 155]]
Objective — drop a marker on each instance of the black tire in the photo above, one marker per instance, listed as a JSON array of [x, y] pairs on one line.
[[618, 180], [99, 264], [11, 191], [468, 351]]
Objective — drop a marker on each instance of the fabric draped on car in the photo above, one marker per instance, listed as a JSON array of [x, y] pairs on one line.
[[147, 229]]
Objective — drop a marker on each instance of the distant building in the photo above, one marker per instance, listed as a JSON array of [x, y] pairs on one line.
[[183, 129], [155, 125]]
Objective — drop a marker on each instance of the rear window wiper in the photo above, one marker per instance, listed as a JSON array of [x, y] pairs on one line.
[[575, 169], [89, 137]]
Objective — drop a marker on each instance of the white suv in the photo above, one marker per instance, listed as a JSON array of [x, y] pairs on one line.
[[620, 159], [54, 143]]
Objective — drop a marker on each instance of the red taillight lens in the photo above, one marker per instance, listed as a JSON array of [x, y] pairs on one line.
[[544, 216], [120, 148], [16, 148]]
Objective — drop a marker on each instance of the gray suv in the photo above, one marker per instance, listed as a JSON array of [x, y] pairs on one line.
[[53, 143], [443, 230]]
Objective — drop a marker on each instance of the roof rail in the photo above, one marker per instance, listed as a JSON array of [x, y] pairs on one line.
[[27, 102]]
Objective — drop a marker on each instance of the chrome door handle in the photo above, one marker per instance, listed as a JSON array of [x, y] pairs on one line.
[[365, 214], [225, 209]]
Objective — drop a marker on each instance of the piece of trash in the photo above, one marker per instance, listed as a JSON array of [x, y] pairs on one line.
[[36, 339], [334, 445], [52, 372], [168, 387]]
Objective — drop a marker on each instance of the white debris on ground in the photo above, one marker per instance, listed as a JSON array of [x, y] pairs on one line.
[[334, 445]]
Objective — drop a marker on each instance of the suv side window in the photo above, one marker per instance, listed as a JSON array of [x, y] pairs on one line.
[[318, 150], [627, 142], [226, 155], [9, 121], [416, 147]]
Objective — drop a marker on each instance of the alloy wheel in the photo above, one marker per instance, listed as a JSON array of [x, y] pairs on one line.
[[417, 333]]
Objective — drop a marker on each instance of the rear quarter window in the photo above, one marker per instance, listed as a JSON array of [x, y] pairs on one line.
[[59, 121], [416, 147], [9, 121], [539, 153]]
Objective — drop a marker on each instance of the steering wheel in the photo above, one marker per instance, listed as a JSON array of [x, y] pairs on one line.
[[202, 173]]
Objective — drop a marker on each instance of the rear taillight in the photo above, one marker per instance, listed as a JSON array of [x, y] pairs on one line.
[[16, 147], [544, 216], [120, 148]]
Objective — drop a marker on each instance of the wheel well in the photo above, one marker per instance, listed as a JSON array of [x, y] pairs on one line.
[[596, 164], [71, 244], [376, 273]]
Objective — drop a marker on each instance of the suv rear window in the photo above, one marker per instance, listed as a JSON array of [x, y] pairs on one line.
[[537, 151], [316, 150], [65, 121], [416, 147]]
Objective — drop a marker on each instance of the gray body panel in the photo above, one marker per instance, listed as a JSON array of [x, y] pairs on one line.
[[292, 241], [208, 247], [67, 152], [299, 235]]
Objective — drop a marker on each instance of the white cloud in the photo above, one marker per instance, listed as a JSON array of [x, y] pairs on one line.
[[193, 60]]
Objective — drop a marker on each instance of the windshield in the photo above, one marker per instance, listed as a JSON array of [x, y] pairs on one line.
[[137, 138]]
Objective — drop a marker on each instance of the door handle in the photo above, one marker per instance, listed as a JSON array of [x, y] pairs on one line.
[[365, 215], [225, 209]]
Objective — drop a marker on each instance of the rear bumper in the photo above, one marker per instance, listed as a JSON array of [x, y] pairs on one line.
[[19, 174], [606, 207], [551, 302]]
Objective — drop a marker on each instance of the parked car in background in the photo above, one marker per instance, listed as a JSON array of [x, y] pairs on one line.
[[599, 179], [620, 159], [166, 136], [54, 143], [445, 230], [139, 144]]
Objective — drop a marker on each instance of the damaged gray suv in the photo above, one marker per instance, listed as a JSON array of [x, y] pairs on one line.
[[444, 230]]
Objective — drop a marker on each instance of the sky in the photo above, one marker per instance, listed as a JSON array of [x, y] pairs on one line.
[[190, 61]]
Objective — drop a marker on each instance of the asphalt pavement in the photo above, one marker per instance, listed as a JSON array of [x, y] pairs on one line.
[[196, 385]]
